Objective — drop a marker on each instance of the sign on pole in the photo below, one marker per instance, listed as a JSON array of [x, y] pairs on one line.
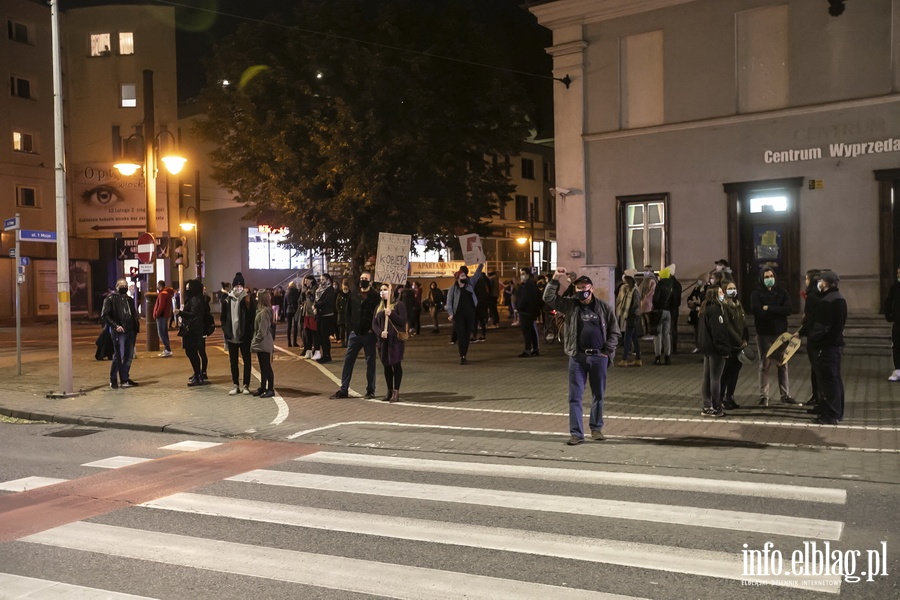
[[392, 260], [146, 249], [473, 253], [9, 224], [30, 235]]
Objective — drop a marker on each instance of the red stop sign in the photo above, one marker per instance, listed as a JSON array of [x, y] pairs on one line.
[[146, 248]]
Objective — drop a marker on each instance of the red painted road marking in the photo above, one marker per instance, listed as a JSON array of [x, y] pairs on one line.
[[29, 512]]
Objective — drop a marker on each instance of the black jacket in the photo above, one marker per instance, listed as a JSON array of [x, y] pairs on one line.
[[774, 320], [667, 295], [119, 311], [360, 311], [246, 318], [325, 304], [713, 332], [528, 299], [892, 303], [826, 328], [291, 300]]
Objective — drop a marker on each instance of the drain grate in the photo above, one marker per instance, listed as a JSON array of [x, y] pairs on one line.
[[71, 433]]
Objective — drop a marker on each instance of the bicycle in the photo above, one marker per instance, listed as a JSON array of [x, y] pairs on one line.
[[554, 325]]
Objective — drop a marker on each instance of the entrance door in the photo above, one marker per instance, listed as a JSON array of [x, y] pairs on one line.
[[764, 232], [889, 226]]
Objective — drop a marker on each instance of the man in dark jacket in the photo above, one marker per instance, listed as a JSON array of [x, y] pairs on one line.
[[892, 314], [291, 308], [528, 304], [715, 345], [811, 297], [326, 321], [771, 306], [825, 336], [360, 311], [120, 317], [238, 315]]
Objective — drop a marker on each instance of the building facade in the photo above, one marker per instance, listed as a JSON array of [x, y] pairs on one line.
[[766, 132]]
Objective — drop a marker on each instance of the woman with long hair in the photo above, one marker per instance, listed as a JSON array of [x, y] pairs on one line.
[[390, 320], [628, 312], [739, 337], [264, 344], [192, 326], [715, 345]]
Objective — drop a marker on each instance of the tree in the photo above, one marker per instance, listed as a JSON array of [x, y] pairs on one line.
[[366, 128]]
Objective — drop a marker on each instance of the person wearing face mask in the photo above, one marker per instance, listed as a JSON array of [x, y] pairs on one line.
[[238, 313], [309, 333], [359, 316], [771, 306], [716, 346], [892, 314], [390, 319], [193, 316], [735, 318], [326, 299], [340, 307], [825, 336], [291, 307], [461, 303], [120, 317], [589, 340], [528, 305]]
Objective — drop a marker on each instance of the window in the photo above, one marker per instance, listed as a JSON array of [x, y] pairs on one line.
[[126, 42], [547, 173], [267, 252], [549, 210], [26, 196], [644, 231], [534, 208], [527, 168], [129, 95], [100, 44], [20, 87], [768, 203], [642, 101], [23, 142], [521, 208], [762, 58], [503, 203], [18, 32]]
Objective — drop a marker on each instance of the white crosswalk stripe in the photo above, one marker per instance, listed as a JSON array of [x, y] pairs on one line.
[[29, 588], [410, 581]]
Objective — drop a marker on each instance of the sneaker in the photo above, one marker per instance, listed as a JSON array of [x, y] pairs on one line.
[[668, 360], [204, 376], [536, 353], [245, 390], [695, 350], [127, 384], [258, 392], [763, 402], [268, 394], [730, 404], [718, 413], [195, 381], [635, 363], [895, 376], [317, 355], [574, 440], [113, 385], [308, 354], [622, 363], [708, 412], [597, 435], [657, 360], [788, 400], [163, 354], [338, 394], [235, 390], [369, 396]]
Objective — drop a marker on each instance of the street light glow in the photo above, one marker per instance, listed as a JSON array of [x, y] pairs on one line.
[[127, 168], [173, 163]]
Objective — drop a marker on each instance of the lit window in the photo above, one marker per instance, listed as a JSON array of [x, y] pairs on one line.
[[644, 241], [23, 142], [129, 95], [26, 196], [18, 32], [266, 251], [126, 42], [20, 87], [100, 44], [765, 204]]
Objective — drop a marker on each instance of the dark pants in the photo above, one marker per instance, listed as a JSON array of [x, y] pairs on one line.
[[192, 351], [586, 368], [831, 383], [632, 340], [674, 330], [730, 376], [712, 381], [416, 324], [464, 329], [481, 317], [355, 343], [393, 376], [325, 326], [492, 310], [292, 327], [895, 344], [244, 350], [204, 359], [529, 332], [266, 373], [813, 380], [123, 354]]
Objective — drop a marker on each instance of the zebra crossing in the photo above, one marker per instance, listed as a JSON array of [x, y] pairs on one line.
[[440, 511]]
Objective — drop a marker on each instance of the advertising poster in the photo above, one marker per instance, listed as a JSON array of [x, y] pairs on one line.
[[105, 202], [45, 287]]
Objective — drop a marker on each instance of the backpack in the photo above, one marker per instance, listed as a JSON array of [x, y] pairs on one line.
[[209, 323]]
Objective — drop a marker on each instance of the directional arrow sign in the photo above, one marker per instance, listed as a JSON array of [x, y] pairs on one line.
[[30, 235], [24, 260]]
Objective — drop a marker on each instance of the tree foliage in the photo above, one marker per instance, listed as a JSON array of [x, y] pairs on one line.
[[343, 135]]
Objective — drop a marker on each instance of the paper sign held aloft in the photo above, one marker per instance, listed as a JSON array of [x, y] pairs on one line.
[[392, 259], [473, 252]]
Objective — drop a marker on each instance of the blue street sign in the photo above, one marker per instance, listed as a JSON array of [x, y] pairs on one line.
[[24, 261], [30, 235], [10, 223]]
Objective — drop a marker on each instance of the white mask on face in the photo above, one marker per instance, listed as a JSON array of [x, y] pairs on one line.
[[721, 297], [821, 286], [731, 293], [385, 294]]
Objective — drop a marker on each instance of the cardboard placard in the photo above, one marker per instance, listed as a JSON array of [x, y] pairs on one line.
[[392, 259], [472, 250]]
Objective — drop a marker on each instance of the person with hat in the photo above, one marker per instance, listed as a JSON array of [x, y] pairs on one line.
[[825, 336], [238, 314], [735, 318], [589, 340]]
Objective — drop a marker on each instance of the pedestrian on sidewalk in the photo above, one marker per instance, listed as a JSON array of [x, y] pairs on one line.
[[340, 311], [291, 306], [435, 304], [361, 307], [263, 344], [494, 299], [162, 312], [825, 334], [120, 317], [482, 293], [771, 306], [390, 320], [325, 305], [811, 297], [665, 301], [461, 304], [309, 332], [628, 313], [237, 316], [715, 345], [589, 340], [193, 319], [892, 314], [735, 319], [528, 305]]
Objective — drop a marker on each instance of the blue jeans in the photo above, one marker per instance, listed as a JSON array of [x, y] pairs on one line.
[[355, 343], [632, 340], [123, 354], [581, 368], [162, 325]]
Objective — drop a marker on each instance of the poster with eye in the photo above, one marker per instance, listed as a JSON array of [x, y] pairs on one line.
[[105, 202]]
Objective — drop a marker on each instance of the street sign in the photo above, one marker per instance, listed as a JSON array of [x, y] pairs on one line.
[[31, 235], [24, 261], [146, 249], [145, 268], [12, 252], [11, 223]]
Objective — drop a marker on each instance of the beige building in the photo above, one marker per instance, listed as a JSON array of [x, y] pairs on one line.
[[762, 131]]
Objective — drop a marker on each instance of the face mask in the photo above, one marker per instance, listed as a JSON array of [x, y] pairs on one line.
[[821, 286], [731, 293], [462, 281], [648, 273], [721, 297], [385, 294], [238, 290], [583, 294], [523, 278], [364, 283], [123, 290], [769, 281]]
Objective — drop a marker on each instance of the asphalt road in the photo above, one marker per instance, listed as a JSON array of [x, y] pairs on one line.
[[368, 522]]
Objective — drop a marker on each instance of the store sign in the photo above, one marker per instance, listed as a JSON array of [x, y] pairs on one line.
[[435, 269], [839, 150]]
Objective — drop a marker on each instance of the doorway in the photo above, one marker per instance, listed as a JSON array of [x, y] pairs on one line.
[[888, 227], [764, 232]]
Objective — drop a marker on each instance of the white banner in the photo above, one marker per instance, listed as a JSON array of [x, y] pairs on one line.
[[392, 259], [473, 253]]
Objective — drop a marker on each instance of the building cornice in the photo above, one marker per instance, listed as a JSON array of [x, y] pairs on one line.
[[569, 12]]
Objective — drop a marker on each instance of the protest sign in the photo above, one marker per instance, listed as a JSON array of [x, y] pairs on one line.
[[473, 253], [392, 259]]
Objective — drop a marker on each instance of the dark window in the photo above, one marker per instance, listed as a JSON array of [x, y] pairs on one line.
[[549, 211], [527, 168], [18, 32], [506, 164], [547, 173], [503, 203], [26, 196], [20, 87], [521, 208], [534, 208]]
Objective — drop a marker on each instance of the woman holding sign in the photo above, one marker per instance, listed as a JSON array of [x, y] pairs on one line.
[[389, 325]]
